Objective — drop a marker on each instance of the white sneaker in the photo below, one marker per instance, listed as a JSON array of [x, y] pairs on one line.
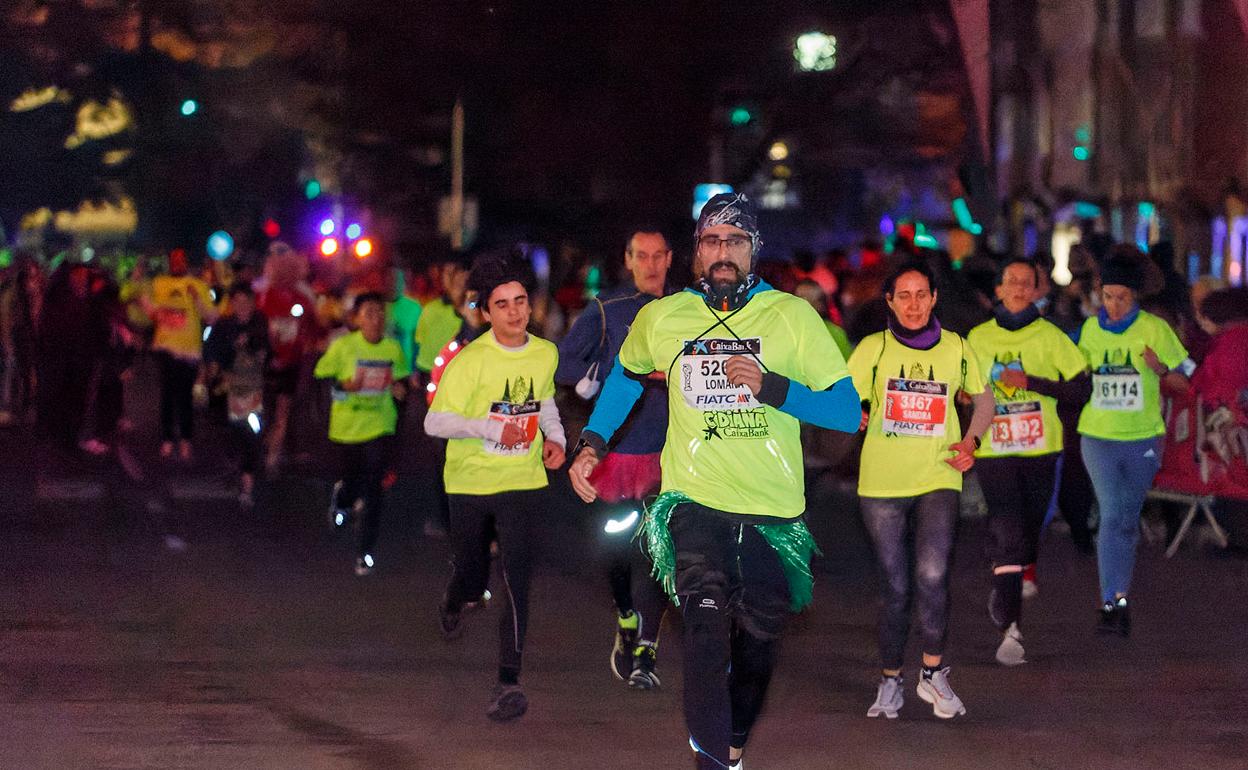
[[1030, 589], [1010, 653], [889, 697], [936, 691]]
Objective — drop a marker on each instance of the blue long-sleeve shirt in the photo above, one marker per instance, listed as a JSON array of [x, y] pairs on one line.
[[586, 344]]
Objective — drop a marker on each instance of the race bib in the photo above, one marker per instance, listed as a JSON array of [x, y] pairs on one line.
[[523, 416], [242, 405], [915, 407], [374, 377], [703, 382], [1118, 392], [172, 318], [1017, 427]]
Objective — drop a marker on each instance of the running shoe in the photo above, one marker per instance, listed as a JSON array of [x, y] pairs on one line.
[[449, 622], [1031, 589], [889, 697], [509, 703], [626, 631], [1010, 651], [935, 690], [1124, 617], [1114, 618], [364, 565], [337, 514], [644, 660]]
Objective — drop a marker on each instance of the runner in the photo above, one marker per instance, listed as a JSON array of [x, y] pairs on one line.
[[179, 306], [631, 472], [494, 398], [236, 350], [908, 481], [1032, 366], [745, 362], [288, 304], [1122, 430], [369, 372]]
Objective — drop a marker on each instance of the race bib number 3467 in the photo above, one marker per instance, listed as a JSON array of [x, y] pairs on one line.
[[703, 382], [915, 407]]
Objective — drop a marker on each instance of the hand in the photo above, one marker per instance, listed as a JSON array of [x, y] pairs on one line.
[[398, 390], [657, 375], [866, 418], [513, 434], [963, 455], [1154, 362], [1014, 378], [1175, 382], [743, 371], [552, 455], [579, 473]]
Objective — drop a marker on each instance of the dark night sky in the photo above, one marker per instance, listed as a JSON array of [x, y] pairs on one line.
[[581, 115]]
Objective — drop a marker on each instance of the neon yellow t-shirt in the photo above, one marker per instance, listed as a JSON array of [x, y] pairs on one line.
[[1126, 394], [487, 381], [438, 323], [724, 448], [913, 415], [179, 329], [370, 412], [1025, 423]]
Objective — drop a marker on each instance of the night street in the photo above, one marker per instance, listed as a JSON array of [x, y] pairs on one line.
[[256, 646]]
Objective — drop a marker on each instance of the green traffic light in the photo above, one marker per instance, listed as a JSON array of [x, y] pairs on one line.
[[1081, 153], [189, 107], [312, 189], [740, 116]]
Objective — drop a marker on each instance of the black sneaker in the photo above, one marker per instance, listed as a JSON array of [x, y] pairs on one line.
[[644, 676], [625, 644], [1124, 616], [449, 622], [509, 703], [1107, 619]]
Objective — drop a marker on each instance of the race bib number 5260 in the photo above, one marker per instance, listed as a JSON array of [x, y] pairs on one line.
[[915, 407], [703, 382]]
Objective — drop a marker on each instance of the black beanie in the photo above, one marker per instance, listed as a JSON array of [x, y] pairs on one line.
[[1122, 272]]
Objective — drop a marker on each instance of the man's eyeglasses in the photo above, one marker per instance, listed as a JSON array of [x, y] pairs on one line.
[[734, 243]]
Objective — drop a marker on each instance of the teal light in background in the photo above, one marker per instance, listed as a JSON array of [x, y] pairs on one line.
[[1085, 210], [1083, 135], [740, 116], [312, 190], [962, 213], [1081, 153], [220, 245], [353, 231], [189, 107]]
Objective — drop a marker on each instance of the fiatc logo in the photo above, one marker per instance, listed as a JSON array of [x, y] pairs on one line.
[[721, 399]]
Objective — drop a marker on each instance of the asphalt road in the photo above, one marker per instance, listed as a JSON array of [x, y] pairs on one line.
[[245, 641]]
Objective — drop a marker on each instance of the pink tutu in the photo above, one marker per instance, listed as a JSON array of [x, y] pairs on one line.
[[626, 477]]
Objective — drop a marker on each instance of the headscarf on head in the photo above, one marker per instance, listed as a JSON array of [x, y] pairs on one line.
[[731, 209]]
